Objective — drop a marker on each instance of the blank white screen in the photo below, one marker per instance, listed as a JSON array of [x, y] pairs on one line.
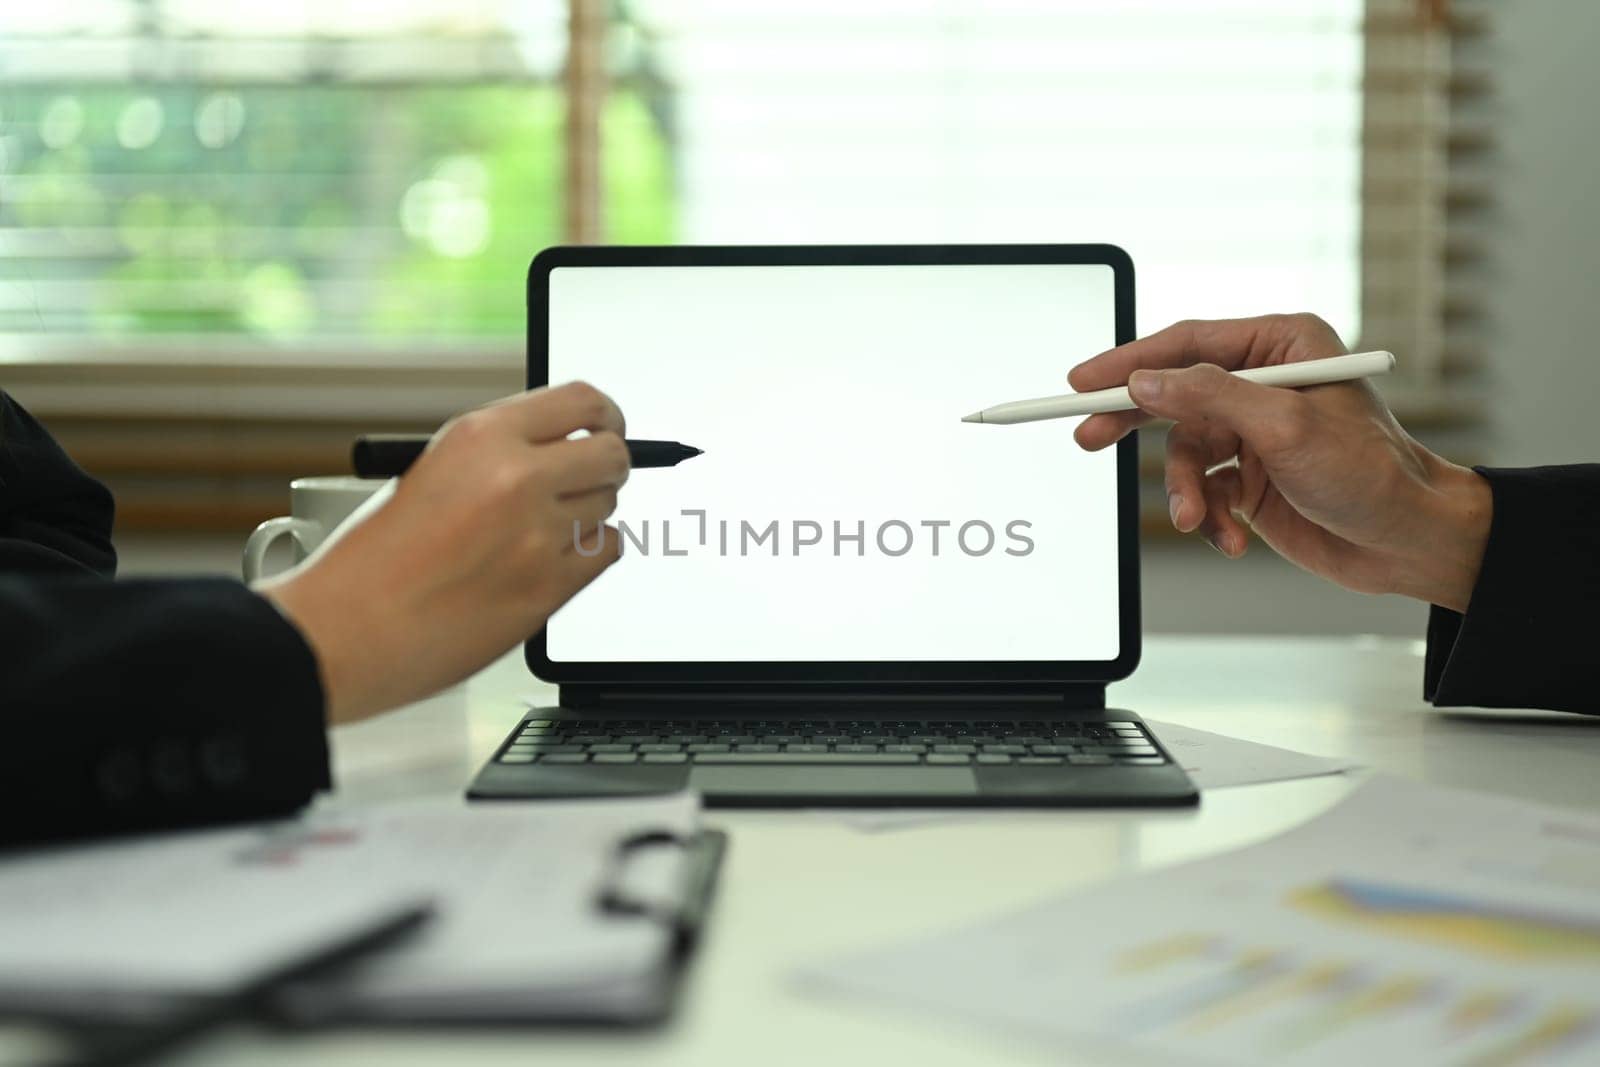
[[832, 394]]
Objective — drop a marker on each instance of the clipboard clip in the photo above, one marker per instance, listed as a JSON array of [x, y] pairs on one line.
[[685, 912]]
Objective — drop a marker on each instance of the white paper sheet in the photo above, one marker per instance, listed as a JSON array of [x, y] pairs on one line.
[[1409, 925], [1214, 761]]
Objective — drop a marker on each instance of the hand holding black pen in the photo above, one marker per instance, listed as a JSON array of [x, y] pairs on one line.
[[499, 523], [389, 455]]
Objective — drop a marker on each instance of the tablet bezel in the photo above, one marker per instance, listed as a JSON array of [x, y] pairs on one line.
[[868, 672]]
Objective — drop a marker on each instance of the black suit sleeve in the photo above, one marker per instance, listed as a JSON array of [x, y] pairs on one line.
[[54, 518], [152, 703], [1527, 638], [139, 704]]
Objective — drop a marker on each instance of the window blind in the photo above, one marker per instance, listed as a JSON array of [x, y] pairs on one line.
[[1428, 200], [1220, 143]]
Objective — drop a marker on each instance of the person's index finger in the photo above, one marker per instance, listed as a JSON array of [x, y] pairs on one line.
[[557, 412], [1161, 350], [1225, 342], [1111, 368]]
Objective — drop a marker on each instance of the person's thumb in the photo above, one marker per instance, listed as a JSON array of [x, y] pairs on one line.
[[1268, 418]]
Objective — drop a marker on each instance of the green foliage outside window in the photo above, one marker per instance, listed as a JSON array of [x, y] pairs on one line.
[[281, 213]]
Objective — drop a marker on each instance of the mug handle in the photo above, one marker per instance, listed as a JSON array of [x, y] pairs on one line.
[[261, 538]]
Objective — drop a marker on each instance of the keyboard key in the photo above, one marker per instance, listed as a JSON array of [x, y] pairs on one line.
[[1052, 750], [1039, 761], [993, 757], [915, 750], [878, 739], [856, 750], [564, 757], [1005, 750], [638, 739], [756, 748], [660, 747], [610, 749], [710, 748], [734, 739], [1121, 725], [1144, 750], [956, 750], [518, 757], [666, 757], [831, 739], [805, 750], [539, 722], [977, 739], [1089, 761], [547, 748], [831, 758], [1026, 739], [1141, 761], [590, 739], [949, 758], [686, 739], [783, 739], [928, 739], [616, 757]]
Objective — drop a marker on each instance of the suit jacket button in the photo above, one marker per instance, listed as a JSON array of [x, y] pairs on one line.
[[118, 776], [222, 761], [169, 768]]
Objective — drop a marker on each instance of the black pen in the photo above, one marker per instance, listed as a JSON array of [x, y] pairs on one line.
[[389, 455], [254, 996]]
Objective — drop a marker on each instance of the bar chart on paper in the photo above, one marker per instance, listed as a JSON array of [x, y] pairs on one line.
[[1206, 992], [1409, 925]]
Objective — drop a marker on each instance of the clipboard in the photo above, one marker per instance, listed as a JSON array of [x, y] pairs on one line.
[[586, 913], [640, 1000], [685, 917]]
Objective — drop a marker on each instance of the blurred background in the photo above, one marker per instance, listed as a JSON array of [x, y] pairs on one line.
[[233, 236]]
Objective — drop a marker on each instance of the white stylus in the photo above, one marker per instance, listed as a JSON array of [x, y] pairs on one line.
[[1288, 375]]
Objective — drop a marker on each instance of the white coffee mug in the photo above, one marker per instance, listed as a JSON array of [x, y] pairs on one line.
[[319, 506]]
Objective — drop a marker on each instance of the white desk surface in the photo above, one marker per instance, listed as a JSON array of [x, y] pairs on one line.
[[798, 886]]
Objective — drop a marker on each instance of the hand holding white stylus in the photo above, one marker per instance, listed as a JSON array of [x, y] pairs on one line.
[[1285, 375], [1327, 477]]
